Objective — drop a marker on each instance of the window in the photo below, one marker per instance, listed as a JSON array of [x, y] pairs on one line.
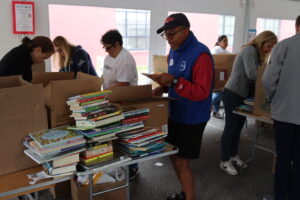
[[134, 25], [282, 28], [269, 24], [226, 27], [208, 35]]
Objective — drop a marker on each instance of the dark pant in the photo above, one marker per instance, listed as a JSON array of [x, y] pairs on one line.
[[233, 125], [287, 171]]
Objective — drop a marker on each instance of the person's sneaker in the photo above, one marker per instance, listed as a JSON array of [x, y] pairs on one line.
[[180, 196], [133, 173], [228, 168], [268, 197], [237, 160], [217, 115]]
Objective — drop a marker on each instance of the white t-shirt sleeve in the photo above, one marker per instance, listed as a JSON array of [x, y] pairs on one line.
[[127, 70]]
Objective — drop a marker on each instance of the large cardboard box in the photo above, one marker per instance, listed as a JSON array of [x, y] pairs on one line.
[[82, 193], [141, 97], [223, 66], [58, 87], [22, 112], [261, 104]]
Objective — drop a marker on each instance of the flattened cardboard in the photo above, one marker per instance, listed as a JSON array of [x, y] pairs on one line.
[[160, 65], [22, 112], [58, 87], [82, 193], [261, 104], [141, 97], [130, 93]]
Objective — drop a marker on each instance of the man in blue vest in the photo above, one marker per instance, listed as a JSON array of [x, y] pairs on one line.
[[189, 81]]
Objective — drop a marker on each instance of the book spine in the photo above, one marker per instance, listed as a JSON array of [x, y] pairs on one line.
[[105, 116], [91, 153], [105, 92], [97, 157], [91, 99]]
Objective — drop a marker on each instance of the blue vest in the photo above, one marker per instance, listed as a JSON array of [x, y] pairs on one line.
[[180, 64]]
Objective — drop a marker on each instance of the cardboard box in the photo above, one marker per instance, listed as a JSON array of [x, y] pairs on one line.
[[220, 78], [82, 193], [22, 112], [141, 97], [40, 67], [261, 105], [224, 61], [223, 66], [58, 87]]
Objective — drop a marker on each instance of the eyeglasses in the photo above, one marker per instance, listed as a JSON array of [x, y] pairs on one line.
[[171, 34], [107, 48]]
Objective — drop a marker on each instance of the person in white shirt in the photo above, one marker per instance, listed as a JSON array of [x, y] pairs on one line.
[[119, 70], [119, 65], [220, 48]]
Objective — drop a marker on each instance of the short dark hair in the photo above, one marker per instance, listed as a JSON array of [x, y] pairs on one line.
[[298, 21], [111, 37], [220, 38], [39, 41]]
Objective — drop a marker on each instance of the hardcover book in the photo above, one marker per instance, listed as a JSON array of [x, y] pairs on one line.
[[54, 137]]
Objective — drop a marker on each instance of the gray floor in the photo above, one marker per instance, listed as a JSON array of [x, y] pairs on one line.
[[211, 183], [158, 182]]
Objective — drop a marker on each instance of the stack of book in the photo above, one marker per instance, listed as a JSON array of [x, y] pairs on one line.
[[249, 101], [99, 140], [57, 149], [142, 141], [247, 106], [93, 110], [96, 153]]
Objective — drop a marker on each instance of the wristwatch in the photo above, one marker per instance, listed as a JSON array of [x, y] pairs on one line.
[[175, 81]]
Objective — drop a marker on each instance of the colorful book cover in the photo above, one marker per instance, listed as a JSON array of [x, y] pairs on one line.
[[54, 137]]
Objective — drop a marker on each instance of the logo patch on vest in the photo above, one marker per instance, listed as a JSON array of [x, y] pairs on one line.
[[182, 66], [171, 62]]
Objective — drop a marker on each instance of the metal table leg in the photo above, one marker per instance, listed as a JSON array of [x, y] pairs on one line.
[[90, 186], [127, 182]]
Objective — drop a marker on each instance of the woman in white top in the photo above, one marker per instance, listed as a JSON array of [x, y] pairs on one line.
[[220, 48], [221, 45]]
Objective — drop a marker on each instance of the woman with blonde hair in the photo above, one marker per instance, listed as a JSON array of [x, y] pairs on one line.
[[72, 58], [237, 88]]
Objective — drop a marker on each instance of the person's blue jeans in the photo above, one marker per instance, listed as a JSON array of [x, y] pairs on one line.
[[287, 169], [233, 125], [216, 101]]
